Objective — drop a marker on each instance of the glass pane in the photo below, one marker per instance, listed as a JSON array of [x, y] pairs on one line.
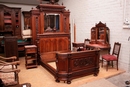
[[51, 22]]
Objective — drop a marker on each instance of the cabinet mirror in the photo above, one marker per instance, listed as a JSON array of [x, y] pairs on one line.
[[51, 22]]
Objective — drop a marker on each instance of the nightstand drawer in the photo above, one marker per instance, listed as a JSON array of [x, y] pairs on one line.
[[31, 50]]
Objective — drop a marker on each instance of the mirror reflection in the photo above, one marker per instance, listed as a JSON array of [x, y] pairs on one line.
[[51, 22], [101, 33]]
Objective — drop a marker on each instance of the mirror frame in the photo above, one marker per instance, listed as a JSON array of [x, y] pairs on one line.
[[51, 22]]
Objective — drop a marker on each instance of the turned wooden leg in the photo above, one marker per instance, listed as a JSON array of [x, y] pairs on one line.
[[112, 63], [107, 65], [117, 65]]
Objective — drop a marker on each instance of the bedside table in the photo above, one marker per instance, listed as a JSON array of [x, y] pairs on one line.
[[30, 56]]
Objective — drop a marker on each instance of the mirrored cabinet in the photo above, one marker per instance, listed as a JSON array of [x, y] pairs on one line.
[[100, 34]]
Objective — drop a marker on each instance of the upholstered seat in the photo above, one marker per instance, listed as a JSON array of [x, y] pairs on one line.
[[7, 74], [109, 57], [26, 34]]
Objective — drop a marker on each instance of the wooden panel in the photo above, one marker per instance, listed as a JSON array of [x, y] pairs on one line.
[[10, 46], [53, 44], [62, 64], [72, 65]]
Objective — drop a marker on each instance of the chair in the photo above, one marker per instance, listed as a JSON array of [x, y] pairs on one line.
[[82, 46], [9, 70], [86, 41], [112, 57], [26, 34]]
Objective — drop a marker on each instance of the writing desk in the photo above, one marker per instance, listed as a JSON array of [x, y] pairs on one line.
[[102, 47], [78, 45]]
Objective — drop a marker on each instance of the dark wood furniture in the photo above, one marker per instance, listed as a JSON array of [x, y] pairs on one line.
[[100, 37], [21, 43], [50, 29], [51, 33], [27, 17], [10, 46], [100, 34], [10, 21], [76, 64], [71, 65], [9, 71], [81, 46], [78, 44], [92, 46], [50, 22], [112, 57], [30, 56]]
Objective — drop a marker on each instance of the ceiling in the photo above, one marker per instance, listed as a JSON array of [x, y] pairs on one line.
[[29, 2]]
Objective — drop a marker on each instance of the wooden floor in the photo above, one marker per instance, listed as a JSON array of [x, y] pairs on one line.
[[40, 77]]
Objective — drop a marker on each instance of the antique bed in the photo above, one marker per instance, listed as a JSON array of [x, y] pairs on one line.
[[51, 33], [66, 66]]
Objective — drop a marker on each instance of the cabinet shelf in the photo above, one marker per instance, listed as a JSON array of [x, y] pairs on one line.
[[7, 21], [7, 17], [11, 20]]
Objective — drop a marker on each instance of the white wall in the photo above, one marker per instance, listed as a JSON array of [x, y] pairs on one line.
[[86, 13]]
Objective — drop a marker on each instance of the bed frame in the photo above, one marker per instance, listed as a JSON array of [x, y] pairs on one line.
[[54, 44], [71, 65]]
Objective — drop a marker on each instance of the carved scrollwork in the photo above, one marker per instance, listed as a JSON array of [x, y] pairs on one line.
[[7, 10], [83, 62]]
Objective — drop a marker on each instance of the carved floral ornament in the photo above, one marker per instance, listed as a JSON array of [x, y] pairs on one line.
[[83, 62]]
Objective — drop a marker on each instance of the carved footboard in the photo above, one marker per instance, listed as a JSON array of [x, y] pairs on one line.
[[72, 65]]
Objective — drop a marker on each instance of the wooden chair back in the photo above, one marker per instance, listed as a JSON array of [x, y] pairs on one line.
[[116, 49]]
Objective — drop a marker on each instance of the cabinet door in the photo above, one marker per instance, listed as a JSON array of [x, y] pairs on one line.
[[10, 46], [17, 21], [8, 20]]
